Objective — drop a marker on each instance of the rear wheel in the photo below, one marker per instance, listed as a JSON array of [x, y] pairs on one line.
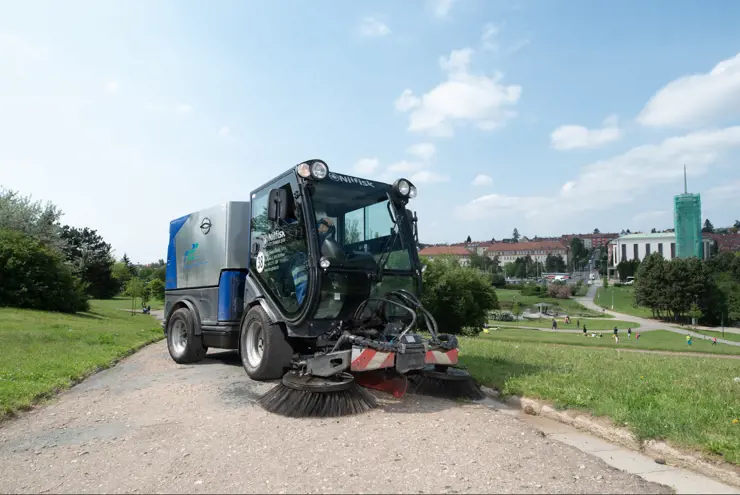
[[263, 346], [184, 346]]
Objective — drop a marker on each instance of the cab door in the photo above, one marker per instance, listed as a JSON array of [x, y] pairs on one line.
[[279, 257]]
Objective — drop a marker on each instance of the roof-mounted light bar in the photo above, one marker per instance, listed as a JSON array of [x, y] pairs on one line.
[[315, 169]]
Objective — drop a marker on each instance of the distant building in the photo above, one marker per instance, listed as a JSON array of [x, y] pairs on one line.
[[726, 243], [687, 223], [639, 246], [538, 250], [592, 241], [456, 251]]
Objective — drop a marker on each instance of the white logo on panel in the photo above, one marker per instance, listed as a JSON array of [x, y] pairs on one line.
[[260, 262]]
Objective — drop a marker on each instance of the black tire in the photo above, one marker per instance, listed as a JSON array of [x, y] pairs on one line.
[[185, 347], [276, 353]]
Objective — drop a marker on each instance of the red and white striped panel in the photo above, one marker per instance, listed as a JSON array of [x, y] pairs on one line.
[[364, 359], [441, 357]]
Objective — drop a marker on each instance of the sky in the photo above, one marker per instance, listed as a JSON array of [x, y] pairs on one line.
[[548, 116]]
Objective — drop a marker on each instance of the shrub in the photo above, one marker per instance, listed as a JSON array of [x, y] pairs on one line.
[[559, 290], [156, 288], [457, 296], [498, 280], [499, 315], [34, 275], [531, 289]]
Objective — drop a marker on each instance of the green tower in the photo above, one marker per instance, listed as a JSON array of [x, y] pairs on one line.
[[687, 222]]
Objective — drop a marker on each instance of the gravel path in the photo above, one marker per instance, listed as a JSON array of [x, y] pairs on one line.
[[150, 425]]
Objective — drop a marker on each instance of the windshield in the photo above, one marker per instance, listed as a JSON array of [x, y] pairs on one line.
[[359, 221]]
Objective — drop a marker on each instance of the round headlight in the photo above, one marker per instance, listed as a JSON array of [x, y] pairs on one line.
[[324, 263], [319, 170], [404, 187], [304, 170], [412, 192]]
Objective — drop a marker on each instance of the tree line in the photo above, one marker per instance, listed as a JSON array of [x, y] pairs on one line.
[[49, 266], [679, 289]]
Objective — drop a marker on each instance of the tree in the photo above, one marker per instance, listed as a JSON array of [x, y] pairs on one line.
[[468, 240], [554, 263], [32, 218], [515, 235], [695, 312], [517, 311], [653, 231], [134, 289], [737, 224], [352, 233], [91, 260], [578, 252], [156, 288], [597, 231], [34, 275], [121, 273], [457, 296], [708, 227]]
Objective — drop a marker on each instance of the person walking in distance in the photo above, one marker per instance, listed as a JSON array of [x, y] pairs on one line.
[[584, 329], [616, 334], [629, 333]]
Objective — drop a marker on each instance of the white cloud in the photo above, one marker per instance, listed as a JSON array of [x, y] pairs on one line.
[[570, 137], [697, 99], [464, 98], [653, 215], [615, 181], [16, 47], [423, 151], [111, 87], [725, 191], [428, 176], [441, 8], [373, 28], [406, 166], [488, 38], [366, 165], [482, 180], [183, 108]]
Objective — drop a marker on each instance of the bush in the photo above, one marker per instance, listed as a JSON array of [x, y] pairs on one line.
[[34, 276], [559, 290], [498, 280], [531, 289], [156, 288], [457, 296], [499, 315]]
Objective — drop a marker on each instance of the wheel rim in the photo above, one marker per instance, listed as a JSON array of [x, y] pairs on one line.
[[179, 336], [255, 344]]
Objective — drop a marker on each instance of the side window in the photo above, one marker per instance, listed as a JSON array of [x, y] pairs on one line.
[[281, 261]]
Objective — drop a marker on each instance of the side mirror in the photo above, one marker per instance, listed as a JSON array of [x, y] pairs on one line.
[[277, 205]]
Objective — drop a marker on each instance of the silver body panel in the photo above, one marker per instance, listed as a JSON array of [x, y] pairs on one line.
[[203, 250]]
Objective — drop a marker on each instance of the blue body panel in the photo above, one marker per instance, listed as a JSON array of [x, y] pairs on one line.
[[171, 271], [231, 295]]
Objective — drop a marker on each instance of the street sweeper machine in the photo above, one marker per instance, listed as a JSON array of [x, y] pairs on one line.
[[316, 282]]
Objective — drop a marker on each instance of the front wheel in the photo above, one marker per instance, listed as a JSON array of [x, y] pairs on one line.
[[184, 346], [263, 346]]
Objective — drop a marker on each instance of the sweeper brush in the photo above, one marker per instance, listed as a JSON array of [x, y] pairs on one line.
[[445, 382], [309, 396]]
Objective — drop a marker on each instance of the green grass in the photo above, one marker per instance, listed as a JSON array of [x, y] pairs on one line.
[[735, 337], [44, 352], [591, 324], [572, 307], [624, 301], [654, 340], [689, 401]]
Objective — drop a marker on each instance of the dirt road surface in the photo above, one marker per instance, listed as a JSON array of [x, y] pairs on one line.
[[150, 425]]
